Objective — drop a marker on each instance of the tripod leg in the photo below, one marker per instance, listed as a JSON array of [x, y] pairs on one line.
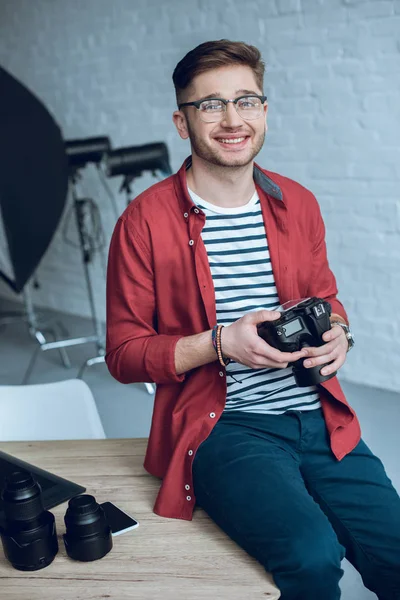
[[63, 353], [84, 210], [82, 370], [89, 363], [30, 366]]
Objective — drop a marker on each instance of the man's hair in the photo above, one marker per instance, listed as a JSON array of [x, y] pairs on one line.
[[214, 55]]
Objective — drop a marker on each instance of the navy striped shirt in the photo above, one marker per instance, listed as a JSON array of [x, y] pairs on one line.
[[237, 249]]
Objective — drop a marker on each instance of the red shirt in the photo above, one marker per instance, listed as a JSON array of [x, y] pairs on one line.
[[159, 289]]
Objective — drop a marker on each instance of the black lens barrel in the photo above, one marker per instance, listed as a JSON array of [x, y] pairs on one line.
[[22, 497], [88, 534], [28, 534]]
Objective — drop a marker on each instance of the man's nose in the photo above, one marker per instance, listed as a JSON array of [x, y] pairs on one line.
[[231, 118]]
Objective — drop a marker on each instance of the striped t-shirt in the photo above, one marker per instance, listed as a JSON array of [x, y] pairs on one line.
[[237, 249]]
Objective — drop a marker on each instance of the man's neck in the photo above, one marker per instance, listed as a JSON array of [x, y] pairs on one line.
[[223, 186]]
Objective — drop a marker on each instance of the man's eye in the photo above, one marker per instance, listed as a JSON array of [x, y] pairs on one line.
[[211, 106], [249, 103]]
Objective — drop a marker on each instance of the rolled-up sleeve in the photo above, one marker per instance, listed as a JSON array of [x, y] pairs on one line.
[[135, 352], [322, 282]]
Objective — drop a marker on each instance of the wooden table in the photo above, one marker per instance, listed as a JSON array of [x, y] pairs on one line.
[[163, 559]]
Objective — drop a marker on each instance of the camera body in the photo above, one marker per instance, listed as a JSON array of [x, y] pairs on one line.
[[302, 324]]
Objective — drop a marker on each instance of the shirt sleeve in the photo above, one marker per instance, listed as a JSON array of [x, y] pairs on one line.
[[322, 282], [135, 352]]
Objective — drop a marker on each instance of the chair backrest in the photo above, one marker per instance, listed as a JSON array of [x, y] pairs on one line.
[[63, 410]]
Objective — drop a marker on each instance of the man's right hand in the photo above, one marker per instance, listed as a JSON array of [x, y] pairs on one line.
[[241, 343]]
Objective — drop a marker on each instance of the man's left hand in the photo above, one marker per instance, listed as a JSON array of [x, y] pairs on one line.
[[334, 350]]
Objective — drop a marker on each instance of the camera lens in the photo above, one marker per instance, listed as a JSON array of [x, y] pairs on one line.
[[28, 533], [88, 535]]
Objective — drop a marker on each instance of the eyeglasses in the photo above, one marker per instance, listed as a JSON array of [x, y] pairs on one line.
[[213, 110]]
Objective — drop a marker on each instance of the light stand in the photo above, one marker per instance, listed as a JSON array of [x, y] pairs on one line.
[[80, 152], [130, 162], [85, 210], [37, 327]]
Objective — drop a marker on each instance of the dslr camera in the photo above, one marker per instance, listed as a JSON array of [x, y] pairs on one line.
[[302, 324]]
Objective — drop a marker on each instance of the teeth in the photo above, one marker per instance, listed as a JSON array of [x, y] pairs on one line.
[[232, 141]]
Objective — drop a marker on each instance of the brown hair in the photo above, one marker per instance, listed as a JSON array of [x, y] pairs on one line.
[[214, 55]]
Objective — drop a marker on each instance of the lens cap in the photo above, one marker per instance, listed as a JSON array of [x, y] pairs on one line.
[[88, 534], [28, 533]]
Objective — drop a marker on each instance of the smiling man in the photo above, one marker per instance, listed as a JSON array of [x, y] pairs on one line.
[[196, 262]]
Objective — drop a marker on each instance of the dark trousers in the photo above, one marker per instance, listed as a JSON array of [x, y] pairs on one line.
[[273, 485]]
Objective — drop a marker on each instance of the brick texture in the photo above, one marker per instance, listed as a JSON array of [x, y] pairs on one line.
[[333, 83]]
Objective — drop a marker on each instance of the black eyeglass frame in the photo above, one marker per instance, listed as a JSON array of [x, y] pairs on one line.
[[197, 103]]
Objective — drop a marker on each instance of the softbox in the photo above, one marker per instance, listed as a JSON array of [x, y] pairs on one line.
[[33, 181]]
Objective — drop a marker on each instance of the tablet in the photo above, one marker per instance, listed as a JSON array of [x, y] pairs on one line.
[[55, 489]]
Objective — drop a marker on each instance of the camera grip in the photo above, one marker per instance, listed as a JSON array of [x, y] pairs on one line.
[[311, 376]]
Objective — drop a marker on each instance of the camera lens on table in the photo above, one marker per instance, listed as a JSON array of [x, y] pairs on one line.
[[88, 534], [28, 532]]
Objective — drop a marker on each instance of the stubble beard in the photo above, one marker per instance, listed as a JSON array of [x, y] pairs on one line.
[[203, 151]]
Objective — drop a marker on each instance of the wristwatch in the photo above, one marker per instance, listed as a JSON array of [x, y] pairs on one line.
[[348, 334]]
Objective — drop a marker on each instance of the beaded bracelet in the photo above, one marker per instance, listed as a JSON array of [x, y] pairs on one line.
[[223, 361]]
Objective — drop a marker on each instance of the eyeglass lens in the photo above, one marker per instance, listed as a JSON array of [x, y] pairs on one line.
[[248, 108]]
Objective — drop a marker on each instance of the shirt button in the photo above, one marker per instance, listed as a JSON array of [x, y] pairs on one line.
[[191, 242], [221, 373], [212, 415], [190, 452], [186, 215], [187, 487], [196, 210], [188, 498]]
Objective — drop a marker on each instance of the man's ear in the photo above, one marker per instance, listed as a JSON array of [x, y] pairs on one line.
[[179, 119], [265, 116]]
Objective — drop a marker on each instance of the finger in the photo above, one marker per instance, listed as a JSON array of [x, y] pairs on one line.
[[324, 349], [333, 333], [259, 316], [334, 366], [262, 363], [271, 353], [321, 360]]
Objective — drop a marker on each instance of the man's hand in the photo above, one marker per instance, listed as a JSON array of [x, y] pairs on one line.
[[334, 350], [241, 342]]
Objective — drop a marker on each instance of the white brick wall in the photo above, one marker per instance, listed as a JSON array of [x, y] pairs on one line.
[[333, 83]]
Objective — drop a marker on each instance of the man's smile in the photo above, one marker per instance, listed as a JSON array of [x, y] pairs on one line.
[[236, 142]]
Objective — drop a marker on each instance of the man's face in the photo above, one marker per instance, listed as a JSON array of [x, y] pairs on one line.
[[209, 141]]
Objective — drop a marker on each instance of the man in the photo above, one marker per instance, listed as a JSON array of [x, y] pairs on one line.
[[195, 263]]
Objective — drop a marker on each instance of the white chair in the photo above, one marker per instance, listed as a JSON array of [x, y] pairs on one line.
[[63, 410]]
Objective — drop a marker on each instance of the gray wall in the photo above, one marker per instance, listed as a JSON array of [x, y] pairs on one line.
[[333, 83]]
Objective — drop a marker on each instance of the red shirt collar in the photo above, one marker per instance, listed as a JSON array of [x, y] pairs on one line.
[[261, 179]]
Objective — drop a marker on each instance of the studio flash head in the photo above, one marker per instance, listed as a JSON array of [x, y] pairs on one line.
[[133, 160], [88, 534], [89, 150], [28, 533]]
